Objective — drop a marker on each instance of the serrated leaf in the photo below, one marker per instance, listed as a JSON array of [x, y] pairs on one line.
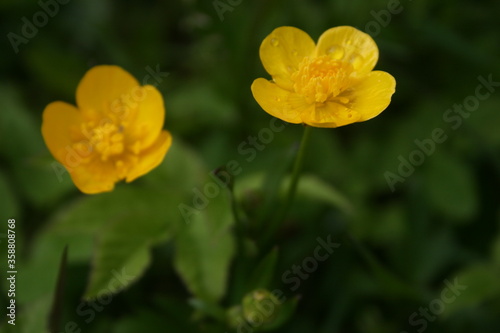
[[204, 249], [120, 260], [123, 245], [127, 221]]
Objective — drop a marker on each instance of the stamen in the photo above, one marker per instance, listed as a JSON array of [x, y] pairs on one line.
[[321, 79]]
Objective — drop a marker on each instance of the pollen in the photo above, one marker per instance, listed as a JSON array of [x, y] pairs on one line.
[[321, 79], [106, 139]]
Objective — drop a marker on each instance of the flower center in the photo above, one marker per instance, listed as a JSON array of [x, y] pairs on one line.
[[107, 140], [321, 79]]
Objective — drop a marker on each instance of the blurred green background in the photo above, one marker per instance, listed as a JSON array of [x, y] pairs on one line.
[[400, 249]]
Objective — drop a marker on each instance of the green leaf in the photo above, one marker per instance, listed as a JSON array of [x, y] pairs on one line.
[[496, 251], [181, 171], [392, 285], [485, 123], [120, 260], [34, 317], [122, 254], [310, 187], [21, 143], [144, 321], [451, 187], [19, 134], [53, 69], [286, 310], [126, 222], [264, 271], [39, 180], [480, 282], [316, 189], [198, 105], [204, 249], [9, 206]]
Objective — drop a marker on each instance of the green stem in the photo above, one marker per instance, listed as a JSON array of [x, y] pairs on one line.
[[297, 168], [240, 271]]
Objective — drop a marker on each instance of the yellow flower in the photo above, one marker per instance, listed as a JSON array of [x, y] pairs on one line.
[[115, 132], [330, 84]]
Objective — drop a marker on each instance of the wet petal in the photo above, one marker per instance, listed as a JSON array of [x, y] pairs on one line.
[[282, 51], [349, 44], [331, 114], [372, 94], [278, 102]]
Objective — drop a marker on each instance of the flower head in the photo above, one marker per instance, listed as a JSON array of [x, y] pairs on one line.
[[328, 84], [114, 133]]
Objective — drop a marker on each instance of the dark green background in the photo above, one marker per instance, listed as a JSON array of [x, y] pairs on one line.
[[398, 247]]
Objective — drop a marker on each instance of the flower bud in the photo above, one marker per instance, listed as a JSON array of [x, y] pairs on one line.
[[260, 307]]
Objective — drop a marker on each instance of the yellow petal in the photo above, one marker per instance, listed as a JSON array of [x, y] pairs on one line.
[[349, 44], [282, 51], [61, 122], [146, 122], [331, 114], [100, 89], [371, 94], [278, 102], [94, 177], [152, 157]]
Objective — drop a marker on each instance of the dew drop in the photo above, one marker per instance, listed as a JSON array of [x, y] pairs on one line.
[[349, 42], [356, 61], [336, 52], [278, 99], [295, 52], [275, 42]]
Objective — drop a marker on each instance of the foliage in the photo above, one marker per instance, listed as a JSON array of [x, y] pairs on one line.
[[137, 261]]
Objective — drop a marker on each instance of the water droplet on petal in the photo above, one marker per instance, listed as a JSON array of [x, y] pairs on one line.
[[295, 52], [356, 61], [336, 52], [275, 42], [343, 100], [278, 99], [349, 42]]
